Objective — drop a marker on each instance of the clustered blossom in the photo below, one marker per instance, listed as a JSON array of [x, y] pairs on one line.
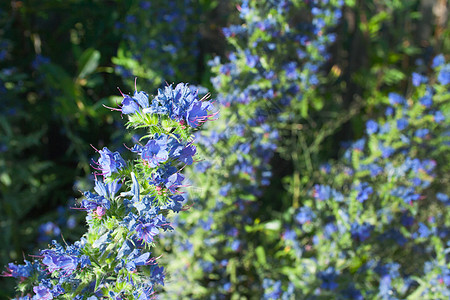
[[123, 226], [109, 162], [180, 104], [65, 261], [341, 221], [391, 179], [162, 147], [255, 96]]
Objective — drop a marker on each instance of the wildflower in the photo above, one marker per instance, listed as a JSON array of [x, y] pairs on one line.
[[395, 99], [147, 232], [438, 60], [155, 152], [371, 127], [42, 293], [328, 278], [444, 75], [361, 232], [402, 123], [439, 117], [421, 133], [110, 162], [426, 100], [291, 70], [364, 191], [19, 271], [418, 79], [305, 215], [129, 106]]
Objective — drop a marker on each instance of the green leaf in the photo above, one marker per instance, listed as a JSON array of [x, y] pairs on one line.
[[273, 225], [88, 62], [261, 254]]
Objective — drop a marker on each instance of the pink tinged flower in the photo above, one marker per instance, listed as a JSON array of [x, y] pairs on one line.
[[100, 211]]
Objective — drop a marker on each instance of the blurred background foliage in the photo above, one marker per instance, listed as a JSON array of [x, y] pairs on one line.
[[61, 61]]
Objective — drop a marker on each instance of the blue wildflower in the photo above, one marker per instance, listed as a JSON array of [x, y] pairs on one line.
[[443, 198], [110, 162], [371, 127], [418, 79], [421, 133], [361, 232], [364, 191], [19, 271], [129, 106], [444, 75], [42, 293], [305, 215], [438, 60], [402, 123], [439, 117], [395, 99], [328, 278]]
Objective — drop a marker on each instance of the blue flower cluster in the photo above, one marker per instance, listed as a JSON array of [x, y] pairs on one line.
[[113, 259], [257, 88], [180, 104], [376, 211]]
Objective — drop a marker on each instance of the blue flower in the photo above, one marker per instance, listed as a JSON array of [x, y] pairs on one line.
[[158, 275], [426, 100], [42, 293], [438, 60], [389, 111], [18, 271], [291, 70], [147, 232], [197, 113], [361, 232], [129, 106], [444, 75], [92, 201], [328, 278], [402, 123], [371, 127], [305, 215], [364, 191], [110, 162], [421, 133], [443, 198], [418, 79], [252, 60], [439, 117], [395, 99]]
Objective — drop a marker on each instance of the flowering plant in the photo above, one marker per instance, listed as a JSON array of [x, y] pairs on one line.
[[129, 207]]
